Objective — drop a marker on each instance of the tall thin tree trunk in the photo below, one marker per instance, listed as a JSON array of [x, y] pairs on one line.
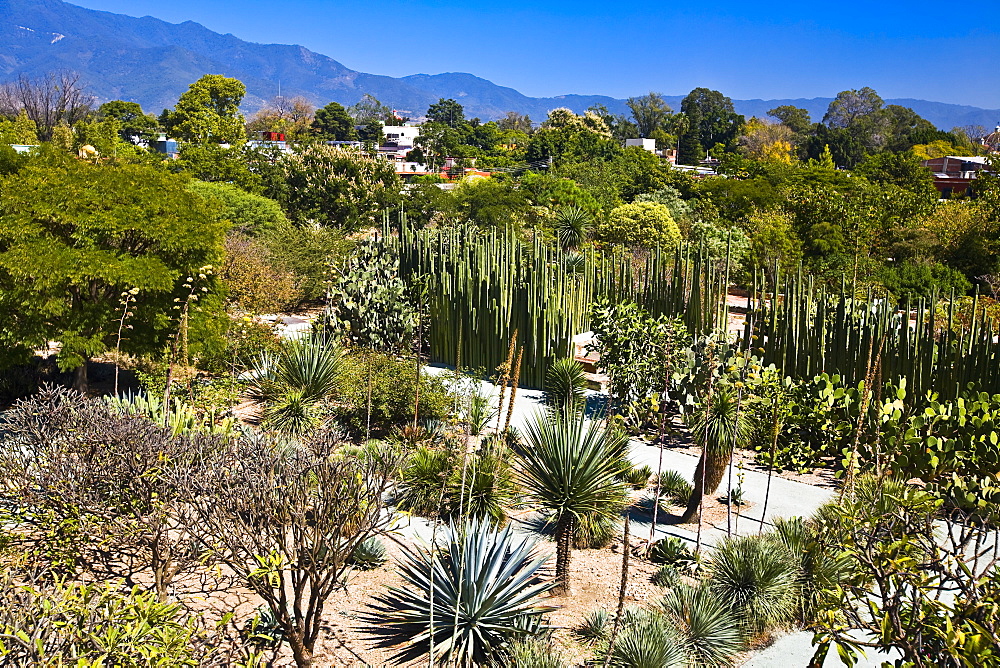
[[564, 553], [626, 553], [770, 463], [659, 443]]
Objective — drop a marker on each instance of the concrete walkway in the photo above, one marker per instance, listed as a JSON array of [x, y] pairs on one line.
[[787, 498]]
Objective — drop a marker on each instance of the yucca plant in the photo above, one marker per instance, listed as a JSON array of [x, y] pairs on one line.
[[568, 465], [757, 579], [718, 427], [488, 490], [369, 554], [291, 382], [638, 476], [573, 226], [464, 602], [423, 481], [675, 486], [595, 626], [646, 640], [565, 385], [709, 632], [818, 569]]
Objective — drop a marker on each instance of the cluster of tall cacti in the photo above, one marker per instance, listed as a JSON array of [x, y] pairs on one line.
[[807, 330], [482, 286]]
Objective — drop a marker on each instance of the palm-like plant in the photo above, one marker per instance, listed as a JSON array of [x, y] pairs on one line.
[[467, 601], [565, 385], [756, 578], [718, 427], [569, 466], [292, 381], [708, 630], [572, 226]]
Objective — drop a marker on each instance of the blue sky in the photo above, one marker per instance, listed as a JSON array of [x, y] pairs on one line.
[[944, 51]]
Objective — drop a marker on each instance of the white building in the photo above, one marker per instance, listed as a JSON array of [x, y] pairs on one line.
[[399, 135], [645, 144]]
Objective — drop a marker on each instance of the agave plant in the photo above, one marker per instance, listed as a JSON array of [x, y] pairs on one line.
[[666, 575], [569, 465], [709, 632], [757, 579], [672, 551], [466, 601], [718, 428], [565, 385], [369, 554]]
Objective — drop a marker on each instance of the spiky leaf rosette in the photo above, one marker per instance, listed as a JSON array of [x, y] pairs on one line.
[[485, 586]]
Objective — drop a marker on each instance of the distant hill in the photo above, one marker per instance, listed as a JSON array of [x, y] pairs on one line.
[[152, 62]]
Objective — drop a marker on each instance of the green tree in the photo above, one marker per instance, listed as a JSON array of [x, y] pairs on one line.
[[250, 214], [18, 130], [711, 117], [650, 113], [899, 169], [640, 224], [336, 186], [515, 121], [851, 106], [796, 118], [448, 112], [569, 466], [332, 122], [208, 112], [135, 125], [75, 236], [370, 110], [492, 203]]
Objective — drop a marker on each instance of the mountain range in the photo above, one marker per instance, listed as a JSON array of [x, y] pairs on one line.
[[152, 62]]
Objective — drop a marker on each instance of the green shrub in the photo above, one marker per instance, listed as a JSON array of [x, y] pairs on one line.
[[757, 580], [595, 531], [638, 476], [393, 392], [640, 224], [96, 624]]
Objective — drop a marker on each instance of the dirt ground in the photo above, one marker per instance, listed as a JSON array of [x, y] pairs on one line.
[[596, 578]]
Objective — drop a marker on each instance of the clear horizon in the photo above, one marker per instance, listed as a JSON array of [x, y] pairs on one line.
[[794, 50]]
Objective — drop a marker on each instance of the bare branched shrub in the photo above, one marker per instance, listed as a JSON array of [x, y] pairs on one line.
[[83, 465], [286, 518]]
